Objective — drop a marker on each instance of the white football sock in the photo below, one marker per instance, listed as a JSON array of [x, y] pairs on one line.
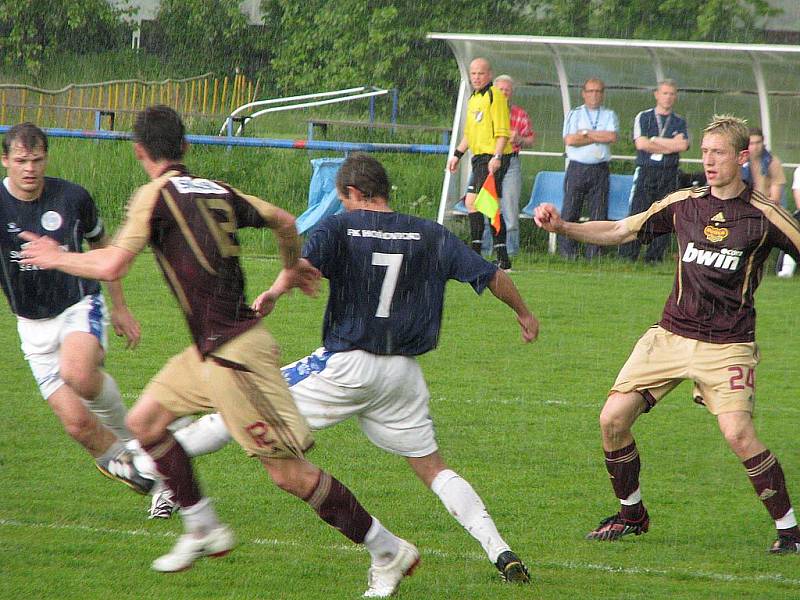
[[111, 452], [788, 267], [786, 521], [109, 409], [381, 543], [467, 508], [200, 518], [206, 435], [633, 499]]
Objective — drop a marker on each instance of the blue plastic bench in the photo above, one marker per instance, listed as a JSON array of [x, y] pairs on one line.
[[619, 196], [549, 187]]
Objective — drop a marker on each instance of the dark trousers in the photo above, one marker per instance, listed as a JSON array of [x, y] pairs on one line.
[[583, 184], [480, 171], [650, 184]]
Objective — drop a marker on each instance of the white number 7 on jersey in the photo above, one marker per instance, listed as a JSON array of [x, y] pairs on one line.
[[392, 263]]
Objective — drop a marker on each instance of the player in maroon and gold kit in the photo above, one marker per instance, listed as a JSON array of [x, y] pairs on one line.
[[231, 368], [706, 334]]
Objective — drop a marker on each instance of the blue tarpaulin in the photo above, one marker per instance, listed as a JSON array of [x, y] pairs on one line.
[[322, 198]]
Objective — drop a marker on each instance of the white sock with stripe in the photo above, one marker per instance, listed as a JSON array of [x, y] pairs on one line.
[[466, 507]]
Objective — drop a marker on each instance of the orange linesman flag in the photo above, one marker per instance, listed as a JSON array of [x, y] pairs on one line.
[[487, 203]]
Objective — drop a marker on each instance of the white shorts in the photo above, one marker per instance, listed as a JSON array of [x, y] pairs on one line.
[[387, 393], [42, 338]]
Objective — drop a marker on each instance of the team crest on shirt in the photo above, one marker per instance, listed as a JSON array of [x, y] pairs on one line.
[[715, 234], [51, 220], [478, 116]]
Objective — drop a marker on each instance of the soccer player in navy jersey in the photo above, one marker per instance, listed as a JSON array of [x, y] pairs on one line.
[[387, 274], [706, 334], [62, 319], [191, 223]]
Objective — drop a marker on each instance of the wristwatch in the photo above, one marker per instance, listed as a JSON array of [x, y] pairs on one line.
[[498, 156], [584, 132]]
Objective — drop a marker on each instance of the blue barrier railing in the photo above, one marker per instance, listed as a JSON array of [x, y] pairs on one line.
[[229, 141]]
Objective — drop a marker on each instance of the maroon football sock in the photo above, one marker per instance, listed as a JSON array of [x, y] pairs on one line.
[[791, 532], [766, 475], [338, 507], [623, 469], [175, 467]]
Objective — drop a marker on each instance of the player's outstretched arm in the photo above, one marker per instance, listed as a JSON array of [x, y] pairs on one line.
[[122, 319], [104, 264], [302, 275], [601, 233], [504, 289]]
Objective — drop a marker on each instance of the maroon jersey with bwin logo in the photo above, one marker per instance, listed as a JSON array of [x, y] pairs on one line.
[[191, 224], [722, 247]]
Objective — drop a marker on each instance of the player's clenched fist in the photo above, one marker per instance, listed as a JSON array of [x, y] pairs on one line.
[[546, 216]]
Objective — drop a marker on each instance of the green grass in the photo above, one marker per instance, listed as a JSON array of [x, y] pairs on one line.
[[110, 172], [101, 66], [519, 421]]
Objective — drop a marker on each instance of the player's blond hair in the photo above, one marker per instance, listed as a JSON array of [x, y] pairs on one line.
[[732, 128]]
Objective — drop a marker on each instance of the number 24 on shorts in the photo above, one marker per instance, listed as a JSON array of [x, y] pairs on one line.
[[740, 381]]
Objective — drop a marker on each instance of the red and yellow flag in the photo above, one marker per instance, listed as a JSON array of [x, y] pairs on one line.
[[487, 203]]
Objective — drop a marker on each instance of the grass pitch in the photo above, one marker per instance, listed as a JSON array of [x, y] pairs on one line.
[[519, 422]]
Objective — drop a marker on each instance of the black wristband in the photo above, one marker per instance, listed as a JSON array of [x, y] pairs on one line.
[[458, 153]]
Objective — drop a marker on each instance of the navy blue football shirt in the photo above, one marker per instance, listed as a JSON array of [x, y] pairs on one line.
[[387, 274], [648, 123], [65, 212]]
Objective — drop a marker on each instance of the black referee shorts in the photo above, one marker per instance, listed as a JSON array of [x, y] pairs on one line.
[[480, 171]]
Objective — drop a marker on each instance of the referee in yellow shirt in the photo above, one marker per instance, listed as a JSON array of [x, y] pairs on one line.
[[486, 135]]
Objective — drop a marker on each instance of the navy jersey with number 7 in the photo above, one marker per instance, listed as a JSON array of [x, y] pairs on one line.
[[387, 273]]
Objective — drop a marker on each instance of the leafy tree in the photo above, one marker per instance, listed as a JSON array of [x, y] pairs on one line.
[[214, 34], [710, 20], [328, 44], [33, 30]]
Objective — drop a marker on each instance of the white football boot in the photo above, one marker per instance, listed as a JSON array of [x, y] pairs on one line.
[[217, 542], [384, 580]]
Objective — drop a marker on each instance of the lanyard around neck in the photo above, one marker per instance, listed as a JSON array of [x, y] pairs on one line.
[[589, 117], [662, 129]]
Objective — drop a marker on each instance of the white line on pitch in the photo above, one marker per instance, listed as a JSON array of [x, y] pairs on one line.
[[579, 566], [563, 402]]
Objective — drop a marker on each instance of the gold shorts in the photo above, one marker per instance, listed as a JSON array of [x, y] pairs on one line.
[[724, 375], [250, 394]]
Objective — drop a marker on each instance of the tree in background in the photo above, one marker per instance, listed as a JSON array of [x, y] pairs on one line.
[[33, 31], [209, 35], [689, 20], [330, 44]]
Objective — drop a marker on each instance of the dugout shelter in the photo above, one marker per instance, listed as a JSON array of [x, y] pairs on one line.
[[759, 82]]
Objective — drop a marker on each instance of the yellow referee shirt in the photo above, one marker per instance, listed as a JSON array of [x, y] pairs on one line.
[[488, 118]]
